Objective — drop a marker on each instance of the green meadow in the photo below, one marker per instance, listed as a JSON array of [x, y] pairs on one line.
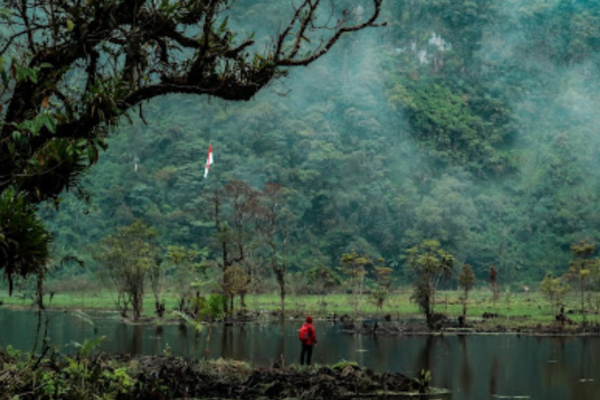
[[522, 308]]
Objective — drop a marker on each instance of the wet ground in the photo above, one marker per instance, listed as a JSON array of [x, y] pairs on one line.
[[344, 381]]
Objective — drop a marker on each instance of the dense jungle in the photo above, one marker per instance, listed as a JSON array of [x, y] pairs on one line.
[[471, 123]]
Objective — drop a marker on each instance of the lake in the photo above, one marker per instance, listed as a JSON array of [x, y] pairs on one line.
[[473, 367]]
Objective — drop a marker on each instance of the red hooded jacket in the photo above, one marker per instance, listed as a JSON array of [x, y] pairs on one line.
[[312, 334]]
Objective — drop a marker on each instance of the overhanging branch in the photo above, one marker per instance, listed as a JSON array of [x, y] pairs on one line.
[[289, 60]]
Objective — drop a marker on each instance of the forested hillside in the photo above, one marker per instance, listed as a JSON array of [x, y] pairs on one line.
[[474, 123]]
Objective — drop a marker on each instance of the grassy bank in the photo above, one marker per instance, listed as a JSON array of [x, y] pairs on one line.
[[520, 306]]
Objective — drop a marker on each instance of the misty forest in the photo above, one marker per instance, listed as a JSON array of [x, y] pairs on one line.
[[185, 183]]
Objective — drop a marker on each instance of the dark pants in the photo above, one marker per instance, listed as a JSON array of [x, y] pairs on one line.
[[306, 350]]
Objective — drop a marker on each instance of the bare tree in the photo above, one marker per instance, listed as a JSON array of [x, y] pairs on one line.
[[494, 283], [272, 225], [234, 227], [353, 266], [466, 280]]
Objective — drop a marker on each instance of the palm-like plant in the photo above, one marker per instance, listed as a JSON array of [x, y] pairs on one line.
[[24, 242]]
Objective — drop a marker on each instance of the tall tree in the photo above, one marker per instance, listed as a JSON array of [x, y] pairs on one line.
[[429, 264], [383, 278], [129, 259], [466, 280], [235, 211], [185, 267], [582, 269], [554, 291], [69, 71], [353, 265], [273, 220]]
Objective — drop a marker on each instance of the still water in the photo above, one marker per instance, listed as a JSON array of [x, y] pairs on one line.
[[473, 367]]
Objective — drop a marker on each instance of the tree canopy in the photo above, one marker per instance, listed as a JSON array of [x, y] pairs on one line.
[[71, 70]]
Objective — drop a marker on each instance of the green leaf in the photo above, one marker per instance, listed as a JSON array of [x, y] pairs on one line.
[[70, 25], [92, 154], [87, 346], [102, 144], [5, 14], [36, 124], [49, 122], [32, 75], [223, 25]]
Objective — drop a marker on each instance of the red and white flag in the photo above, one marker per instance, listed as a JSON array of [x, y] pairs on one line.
[[209, 160]]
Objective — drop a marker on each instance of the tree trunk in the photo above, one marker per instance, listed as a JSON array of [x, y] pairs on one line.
[[429, 316], [197, 304], [40, 288], [137, 304], [583, 305], [223, 250], [159, 308], [429, 311], [122, 304], [281, 281], [464, 313]]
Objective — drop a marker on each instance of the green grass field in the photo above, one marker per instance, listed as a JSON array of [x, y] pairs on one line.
[[529, 307]]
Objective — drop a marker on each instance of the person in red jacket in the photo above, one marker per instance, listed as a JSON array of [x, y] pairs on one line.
[[308, 338]]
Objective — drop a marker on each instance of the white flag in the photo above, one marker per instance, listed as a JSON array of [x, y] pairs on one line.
[[209, 160]]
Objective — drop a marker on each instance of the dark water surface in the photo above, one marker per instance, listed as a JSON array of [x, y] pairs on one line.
[[472, 367]]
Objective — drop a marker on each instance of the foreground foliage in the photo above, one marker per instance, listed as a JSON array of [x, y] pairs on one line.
[[103, 377]]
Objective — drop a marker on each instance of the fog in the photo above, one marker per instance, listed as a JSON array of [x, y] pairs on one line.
[[472, 124]]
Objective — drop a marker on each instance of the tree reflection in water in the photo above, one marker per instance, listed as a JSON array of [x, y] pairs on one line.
[[466, 372], [494, 376]]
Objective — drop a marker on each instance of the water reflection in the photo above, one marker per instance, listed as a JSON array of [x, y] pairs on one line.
[[494, 376], [424, 360], [473, 367], [466, 372]]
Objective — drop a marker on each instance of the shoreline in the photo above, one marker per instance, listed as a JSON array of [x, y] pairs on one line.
[[408, 326]]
